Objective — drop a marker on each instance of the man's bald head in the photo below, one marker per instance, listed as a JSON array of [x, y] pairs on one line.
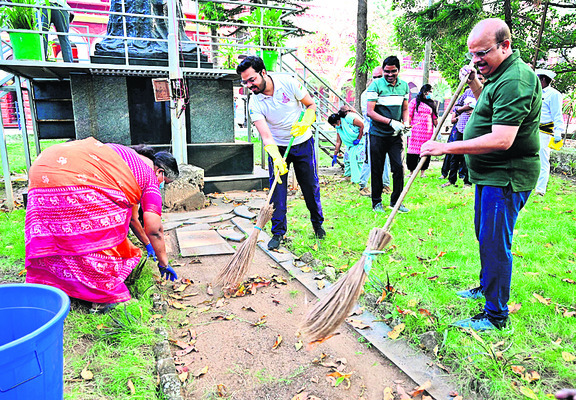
[[489, 44], [491, 26], [377, 73]]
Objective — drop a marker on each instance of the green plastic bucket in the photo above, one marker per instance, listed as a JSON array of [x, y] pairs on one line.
[[270, 58], [26, 46], [31, 341]]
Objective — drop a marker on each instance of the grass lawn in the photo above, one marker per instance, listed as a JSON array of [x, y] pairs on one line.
[[435, 253], [115, 347]]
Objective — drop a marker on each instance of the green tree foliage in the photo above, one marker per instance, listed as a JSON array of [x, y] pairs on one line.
[[448, 22], [373, 57]]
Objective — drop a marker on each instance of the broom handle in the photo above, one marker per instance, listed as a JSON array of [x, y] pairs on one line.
[[277, 176], [423, 159]]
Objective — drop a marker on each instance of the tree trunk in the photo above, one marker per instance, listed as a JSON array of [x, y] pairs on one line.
[[508, 15], [362, 31]]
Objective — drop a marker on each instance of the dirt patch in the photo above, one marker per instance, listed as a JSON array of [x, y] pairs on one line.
[[241, 357]]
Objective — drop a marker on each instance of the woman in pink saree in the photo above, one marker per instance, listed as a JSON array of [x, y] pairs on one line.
[[82, 198]]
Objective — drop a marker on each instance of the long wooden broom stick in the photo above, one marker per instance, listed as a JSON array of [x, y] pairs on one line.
[[234, 272], [327, 315]]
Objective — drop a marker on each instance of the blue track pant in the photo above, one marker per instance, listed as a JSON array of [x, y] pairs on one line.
[[302, 157], [496, 211]]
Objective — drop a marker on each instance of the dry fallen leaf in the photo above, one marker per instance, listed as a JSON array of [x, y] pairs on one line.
[[183, 376], [356, 323], [514, 307], [209, 290], [320, 285], [395, 332], [203, 371], [402, 393], [298, 345], [131, 387], [420, 389], [528, 392], [86, 374], [179, 343], [178, 305], [541, 299], [388, 395], [277, 342], [306, 269], [221, 390], [568, 357], [181, 288], [531, 376], [518, 369], [336, 377], [301, 396]]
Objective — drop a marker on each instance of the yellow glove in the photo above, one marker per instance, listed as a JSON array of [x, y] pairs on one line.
[[280, 167], [301, 126]]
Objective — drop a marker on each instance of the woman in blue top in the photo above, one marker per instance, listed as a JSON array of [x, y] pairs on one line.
[[349, 130]]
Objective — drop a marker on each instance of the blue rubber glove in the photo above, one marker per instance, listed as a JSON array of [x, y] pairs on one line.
[[334, 160], [355, 143], [150, 251], [170, 273]]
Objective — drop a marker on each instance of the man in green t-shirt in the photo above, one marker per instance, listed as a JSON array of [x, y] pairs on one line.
[[501, 143], [387, 107]]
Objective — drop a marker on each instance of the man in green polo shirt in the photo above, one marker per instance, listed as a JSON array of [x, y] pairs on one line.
[[501, 143], [387, 107]]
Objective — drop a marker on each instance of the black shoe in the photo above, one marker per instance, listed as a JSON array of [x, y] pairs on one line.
[[320, 233], [274, 243]]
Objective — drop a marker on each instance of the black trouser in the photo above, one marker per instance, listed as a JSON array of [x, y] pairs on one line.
[[412, 161], [458, 163], [379, 147], [448, 157]]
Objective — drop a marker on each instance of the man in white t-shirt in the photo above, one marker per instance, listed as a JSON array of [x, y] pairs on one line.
[[280, 108], [551, 125]]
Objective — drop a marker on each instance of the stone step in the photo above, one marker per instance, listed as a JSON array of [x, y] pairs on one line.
[[258, 180]]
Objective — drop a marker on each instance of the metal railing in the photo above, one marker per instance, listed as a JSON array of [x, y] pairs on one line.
[[321, 93], [198, 35]]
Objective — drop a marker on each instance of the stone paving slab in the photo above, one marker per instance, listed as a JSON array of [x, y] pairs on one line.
[[201, 243]]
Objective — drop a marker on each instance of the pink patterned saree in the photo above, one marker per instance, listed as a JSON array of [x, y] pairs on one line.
[[80, 200]]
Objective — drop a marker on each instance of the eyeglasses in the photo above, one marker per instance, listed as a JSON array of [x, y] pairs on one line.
[[249, 81], [482, 53], [391, 71]]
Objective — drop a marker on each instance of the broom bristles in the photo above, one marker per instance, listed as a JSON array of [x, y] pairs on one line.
[[234, 272], [327, 315]]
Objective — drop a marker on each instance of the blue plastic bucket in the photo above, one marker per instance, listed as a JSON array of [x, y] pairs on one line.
[[31, 341]]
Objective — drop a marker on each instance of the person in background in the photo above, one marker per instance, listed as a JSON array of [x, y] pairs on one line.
[[387, 108], [463, 109], [501, 144], [349, 130], [281, 108], [448, 157], [82, 197], [423, 119], [61, 20], [551, 124], [365, 174]]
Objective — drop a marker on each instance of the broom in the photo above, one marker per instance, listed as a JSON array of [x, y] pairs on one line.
[[327, 315], [232, 274]]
